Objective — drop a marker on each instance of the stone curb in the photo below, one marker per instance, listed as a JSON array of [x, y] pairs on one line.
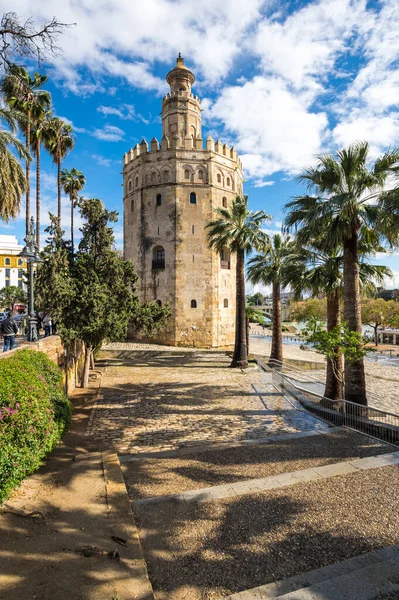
[[123, 526], [349, 574], [212, 446], [254, 486]]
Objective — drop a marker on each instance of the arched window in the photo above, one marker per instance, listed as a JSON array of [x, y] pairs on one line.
[[224, 202], [219, 178], [20, 262], [130, 185], [159, 303], [165, 175], [228, 182], [7, 261], [225, 303], [192, 229], [159, 199], [193, 198], [132, 205], [186, 174], [200, 175], [136, 182], [158, 257], [193, 304], [153, 177]]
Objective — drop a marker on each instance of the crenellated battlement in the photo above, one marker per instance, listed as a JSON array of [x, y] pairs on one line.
[[179, 95], [211, 146]]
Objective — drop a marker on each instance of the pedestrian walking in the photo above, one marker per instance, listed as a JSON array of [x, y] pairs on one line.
[[9, 330], [47, 325]]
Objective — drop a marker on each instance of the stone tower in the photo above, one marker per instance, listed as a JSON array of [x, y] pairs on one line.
[[171, 191]]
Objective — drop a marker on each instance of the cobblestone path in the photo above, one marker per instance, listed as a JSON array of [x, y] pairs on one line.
[[167, 401]]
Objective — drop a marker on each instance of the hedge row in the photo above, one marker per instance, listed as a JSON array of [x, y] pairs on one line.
[[34, 414]]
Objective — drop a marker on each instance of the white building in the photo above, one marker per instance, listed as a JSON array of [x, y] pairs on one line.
[[12, 266]]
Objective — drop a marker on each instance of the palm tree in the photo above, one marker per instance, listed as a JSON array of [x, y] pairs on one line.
[[73, 181], [311, 269], [22, 92], [12, 176], [38, 135], [268, 268], [58, 142], [238, 230], [347, 204]]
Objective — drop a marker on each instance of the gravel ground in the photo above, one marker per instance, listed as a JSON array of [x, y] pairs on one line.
[[208, 550], [159, 476]]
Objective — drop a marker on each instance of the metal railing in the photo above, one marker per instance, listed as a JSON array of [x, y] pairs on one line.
[[369, 420]]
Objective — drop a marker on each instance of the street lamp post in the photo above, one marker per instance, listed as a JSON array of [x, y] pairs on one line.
[[30, 253]]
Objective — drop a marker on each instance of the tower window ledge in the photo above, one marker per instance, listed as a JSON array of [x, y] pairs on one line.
[[158, 264]]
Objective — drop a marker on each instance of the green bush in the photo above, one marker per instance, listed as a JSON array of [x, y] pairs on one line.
[[34, 414]]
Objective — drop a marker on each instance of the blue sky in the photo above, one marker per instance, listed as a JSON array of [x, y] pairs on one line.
[[282, 81]]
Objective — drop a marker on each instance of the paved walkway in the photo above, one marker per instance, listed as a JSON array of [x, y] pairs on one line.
[[152, 403]]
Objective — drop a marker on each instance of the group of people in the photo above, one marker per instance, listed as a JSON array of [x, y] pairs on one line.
[[45, 322], [9, 327]]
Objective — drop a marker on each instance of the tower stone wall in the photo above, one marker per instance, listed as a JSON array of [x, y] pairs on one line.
[[171, 191]]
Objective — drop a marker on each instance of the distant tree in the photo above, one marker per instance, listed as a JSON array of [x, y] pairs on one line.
[[238, 230], [73, 182], [377, 313], [23, 39], [268, 268], [309, 309], [12, 176], [59, 141], [11, 295], [22, 93], [256, 299]]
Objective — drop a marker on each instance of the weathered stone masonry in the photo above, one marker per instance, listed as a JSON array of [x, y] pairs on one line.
[[171, 190]]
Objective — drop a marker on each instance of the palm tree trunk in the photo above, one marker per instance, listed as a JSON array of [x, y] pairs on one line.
[[59, 188], [71, 199], [276, 353], [240, 355], [27, 171], [38, 193], [334, 379], [355, 381]]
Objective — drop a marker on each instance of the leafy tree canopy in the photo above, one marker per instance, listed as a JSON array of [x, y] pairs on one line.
[[12, 295], [309, 309]]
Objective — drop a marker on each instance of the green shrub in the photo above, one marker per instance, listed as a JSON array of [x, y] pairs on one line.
[[34, 414]]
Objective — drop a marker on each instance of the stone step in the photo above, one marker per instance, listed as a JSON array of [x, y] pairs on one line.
[[363, 577]]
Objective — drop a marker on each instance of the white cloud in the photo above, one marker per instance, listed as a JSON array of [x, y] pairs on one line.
[[103, 161], [274, 128], [125, 38], [303, 48], [109, 133], [126, 112], [260, 183]]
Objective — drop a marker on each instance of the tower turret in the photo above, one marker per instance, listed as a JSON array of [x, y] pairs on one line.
[[181, 110]]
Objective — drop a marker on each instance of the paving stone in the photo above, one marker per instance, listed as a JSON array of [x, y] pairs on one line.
[[369, 463], [186, 399], [337, 469]]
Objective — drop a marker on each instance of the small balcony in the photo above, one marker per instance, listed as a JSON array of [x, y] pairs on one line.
[[158, 264], [224, 264]]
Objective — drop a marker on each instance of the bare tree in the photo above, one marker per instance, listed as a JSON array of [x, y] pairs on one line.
[[25, 39]]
